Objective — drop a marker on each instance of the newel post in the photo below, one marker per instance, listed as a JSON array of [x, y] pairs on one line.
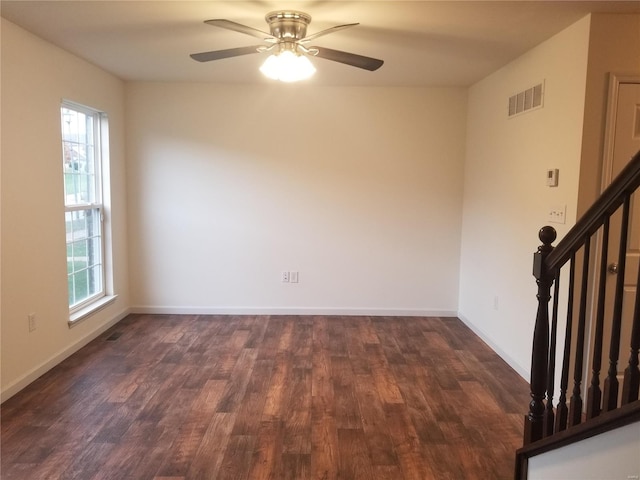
[[534, 420]]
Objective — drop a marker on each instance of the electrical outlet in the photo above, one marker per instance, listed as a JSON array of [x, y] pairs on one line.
[[32, 321], [285, 277], [293, 277]]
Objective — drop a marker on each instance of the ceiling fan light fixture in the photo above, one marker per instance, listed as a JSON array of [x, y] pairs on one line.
[[288, 40], [287, 66]]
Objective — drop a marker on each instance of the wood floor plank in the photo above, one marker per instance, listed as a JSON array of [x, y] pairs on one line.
[[366, 332], [357, 350], [374, 423], [252, 405], [324, 441], [407, 444], [419, 409], [237, 458], [190, 434], [321, 380], [297, 424], [267, 452], [206, 463], [276, 393], [347, 410], [387, 472], [386, 384], [132, 449], [257, 329], [89, 461], [337, 336], [226, 362], [354, 458], [237, 385], [294, 466], [184, 397]]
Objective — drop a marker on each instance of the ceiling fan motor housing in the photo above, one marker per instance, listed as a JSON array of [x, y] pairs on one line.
[[288, 25]]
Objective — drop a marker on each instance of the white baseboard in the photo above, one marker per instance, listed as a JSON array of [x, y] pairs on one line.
[[43, 368], [374, 312], [510, 361]]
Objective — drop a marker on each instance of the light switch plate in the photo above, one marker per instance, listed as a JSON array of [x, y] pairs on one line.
[[557, 214]]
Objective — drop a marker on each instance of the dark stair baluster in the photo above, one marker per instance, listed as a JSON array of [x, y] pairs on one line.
[[549, 416], [575, 408], [562, 411], [594, 395], [631, 383], [610, 400]]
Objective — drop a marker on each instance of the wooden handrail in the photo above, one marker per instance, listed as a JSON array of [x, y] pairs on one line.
[[626, 182]]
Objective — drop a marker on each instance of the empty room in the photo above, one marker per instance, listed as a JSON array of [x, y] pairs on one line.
[[213, 268]]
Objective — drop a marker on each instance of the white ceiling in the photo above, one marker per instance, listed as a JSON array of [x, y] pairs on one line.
[[435, 43]]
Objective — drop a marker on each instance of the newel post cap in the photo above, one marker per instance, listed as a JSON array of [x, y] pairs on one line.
[[547, 235]]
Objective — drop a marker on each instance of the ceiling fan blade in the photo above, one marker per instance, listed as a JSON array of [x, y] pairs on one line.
[[360, 61], [220, 54], [327, 31], [238, 27]]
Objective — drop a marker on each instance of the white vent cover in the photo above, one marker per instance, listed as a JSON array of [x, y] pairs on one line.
[[527, 100]]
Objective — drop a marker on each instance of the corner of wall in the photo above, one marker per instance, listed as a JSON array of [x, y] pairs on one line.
[[36, 372], [506, 200]]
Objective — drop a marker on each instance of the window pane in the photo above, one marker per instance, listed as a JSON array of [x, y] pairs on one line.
[[79, 157], [93, 222], [94, 253], [84, 254], [79, 225], [95, 279], [80, 286], [80, 260], [72, 297], [84, 231]]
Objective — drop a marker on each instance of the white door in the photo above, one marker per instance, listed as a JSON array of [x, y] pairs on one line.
[[626, 144]]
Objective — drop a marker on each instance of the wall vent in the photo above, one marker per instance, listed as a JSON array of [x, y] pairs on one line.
[[527, 100], [114, 336]]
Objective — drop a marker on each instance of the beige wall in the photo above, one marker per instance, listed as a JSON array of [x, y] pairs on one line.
[[614, 47], [506, 199], [35, 78], [357, 189]]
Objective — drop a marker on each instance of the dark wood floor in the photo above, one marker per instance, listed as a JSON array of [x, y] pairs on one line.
[[238, 397]]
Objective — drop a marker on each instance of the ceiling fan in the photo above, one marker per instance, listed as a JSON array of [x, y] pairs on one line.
[[287, 37]]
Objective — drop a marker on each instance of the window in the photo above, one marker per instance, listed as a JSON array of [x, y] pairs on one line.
[[82, 132]]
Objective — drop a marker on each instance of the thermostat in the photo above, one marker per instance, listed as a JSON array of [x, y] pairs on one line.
[[552, 177]]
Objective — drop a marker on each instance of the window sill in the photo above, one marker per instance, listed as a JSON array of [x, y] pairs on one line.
[[77, 317]]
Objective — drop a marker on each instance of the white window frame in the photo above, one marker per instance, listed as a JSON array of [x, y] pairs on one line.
[[101, 297]]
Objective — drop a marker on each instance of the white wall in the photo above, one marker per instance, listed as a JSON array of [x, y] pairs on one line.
[[611, 455], [358, 189], [36, 76], [505, 196]]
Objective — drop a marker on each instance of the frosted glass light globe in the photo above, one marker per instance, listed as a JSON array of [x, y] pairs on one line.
[[287, 67]]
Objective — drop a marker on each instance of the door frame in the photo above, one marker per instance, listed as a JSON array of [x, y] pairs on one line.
[[615, 80]]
